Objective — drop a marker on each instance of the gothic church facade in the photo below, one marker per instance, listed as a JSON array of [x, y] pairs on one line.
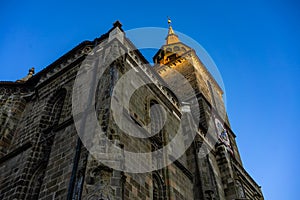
[[43, 157]]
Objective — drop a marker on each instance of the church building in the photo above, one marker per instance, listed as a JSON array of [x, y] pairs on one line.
[[102, 123]]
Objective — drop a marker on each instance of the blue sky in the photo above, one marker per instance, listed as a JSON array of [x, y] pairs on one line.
[[255, 45]]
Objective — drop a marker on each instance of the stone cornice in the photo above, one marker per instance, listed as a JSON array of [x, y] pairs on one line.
[[244, 174]]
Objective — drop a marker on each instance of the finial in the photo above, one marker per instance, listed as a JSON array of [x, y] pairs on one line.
[[31, 71], [29, 75], [171, 37], [169, 21], [117, 24]]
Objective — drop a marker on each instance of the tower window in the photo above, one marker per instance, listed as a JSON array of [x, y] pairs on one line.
[[169, 50], [176, 48]]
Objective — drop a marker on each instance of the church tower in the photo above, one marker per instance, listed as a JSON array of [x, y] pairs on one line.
[[44, 154], [217, 166]]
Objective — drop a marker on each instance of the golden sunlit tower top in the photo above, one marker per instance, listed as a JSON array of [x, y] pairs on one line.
[[171, 37], [172, 49]]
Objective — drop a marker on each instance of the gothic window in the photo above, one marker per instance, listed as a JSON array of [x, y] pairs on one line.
[[35, 183], [49, 120], [11, 108], [78, 186], [155, 190], [53, 110], [158, 187], [56, 111], [157, 117]]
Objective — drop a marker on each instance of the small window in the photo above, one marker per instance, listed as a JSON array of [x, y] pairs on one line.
[[172, 57], [169, 50], [176, 48]]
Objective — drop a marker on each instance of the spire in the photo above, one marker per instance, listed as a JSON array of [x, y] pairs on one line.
[[171, 37]]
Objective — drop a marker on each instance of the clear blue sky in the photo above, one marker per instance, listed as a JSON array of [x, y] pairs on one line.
[[255, 45]]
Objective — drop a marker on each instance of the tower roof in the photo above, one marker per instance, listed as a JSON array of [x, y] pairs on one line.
[[171, 37], [172, 49]]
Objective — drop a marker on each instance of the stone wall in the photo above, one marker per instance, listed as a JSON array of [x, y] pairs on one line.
[[42, 156]]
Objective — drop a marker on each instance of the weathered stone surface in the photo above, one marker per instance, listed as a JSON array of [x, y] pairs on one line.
[[42, 157]]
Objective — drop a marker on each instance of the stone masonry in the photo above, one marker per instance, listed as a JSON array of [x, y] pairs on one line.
[[43, 157]]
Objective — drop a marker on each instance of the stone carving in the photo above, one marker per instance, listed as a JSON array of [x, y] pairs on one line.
[[29, 75], [240, 190], [98, 184]]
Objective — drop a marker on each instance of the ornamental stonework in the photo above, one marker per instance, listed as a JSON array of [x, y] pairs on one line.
[[43, 155]]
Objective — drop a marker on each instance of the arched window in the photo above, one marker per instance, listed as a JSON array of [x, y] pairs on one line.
[[157, 117], [155, 191], [78, 185], [52, 112], [36, 182], [56, 111], [158, 187], [11, 108], [49, 120], [176, 48], [169, 50]]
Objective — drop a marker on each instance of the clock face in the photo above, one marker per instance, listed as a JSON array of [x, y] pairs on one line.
[[222, 132]]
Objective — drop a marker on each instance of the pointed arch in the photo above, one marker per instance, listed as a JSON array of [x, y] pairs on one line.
[[51, 114], [159, 188], [157, 117], [35, 183], [49, 120]]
